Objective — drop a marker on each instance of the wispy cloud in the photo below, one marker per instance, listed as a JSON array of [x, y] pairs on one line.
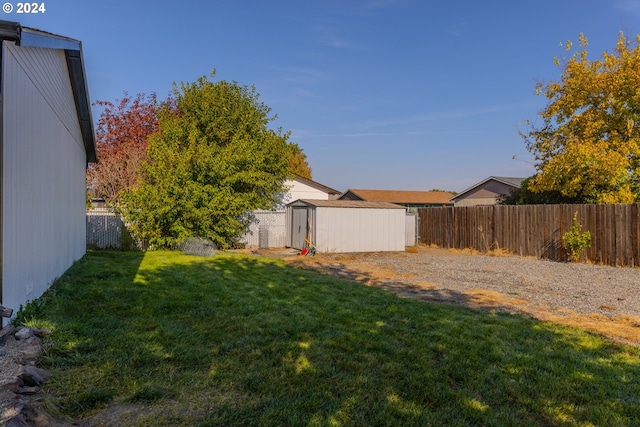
[[294, 85], [441, 115], [300, 75], [312, 134], [331, 34], [367, 8], [628, 6], [414, 125], [335, 32], [457, 28]]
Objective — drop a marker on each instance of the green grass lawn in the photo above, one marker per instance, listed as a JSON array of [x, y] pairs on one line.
[[173, 339]]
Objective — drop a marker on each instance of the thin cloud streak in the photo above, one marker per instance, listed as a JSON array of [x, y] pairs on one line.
[[300, 134], [630, 6], [300, 75], [445, 115]]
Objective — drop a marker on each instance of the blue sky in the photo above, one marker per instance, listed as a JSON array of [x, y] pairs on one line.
[[380, 94]]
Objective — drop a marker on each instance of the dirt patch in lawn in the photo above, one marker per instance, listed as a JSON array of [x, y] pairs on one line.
[[596, 298]]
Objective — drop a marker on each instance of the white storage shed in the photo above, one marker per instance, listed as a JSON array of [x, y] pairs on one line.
[[345, 225]]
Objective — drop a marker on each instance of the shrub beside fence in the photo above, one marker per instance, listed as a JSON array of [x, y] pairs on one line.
[[536, 230]]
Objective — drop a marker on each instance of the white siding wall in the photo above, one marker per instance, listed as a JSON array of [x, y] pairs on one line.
[[299, 190], [43, 167], [359, 229]]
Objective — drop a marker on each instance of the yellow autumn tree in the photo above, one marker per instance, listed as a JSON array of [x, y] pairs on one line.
[[298, 161], [588, 147]]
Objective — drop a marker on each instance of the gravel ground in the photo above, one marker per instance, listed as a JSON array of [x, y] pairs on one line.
[[581, 288], [599, 298]]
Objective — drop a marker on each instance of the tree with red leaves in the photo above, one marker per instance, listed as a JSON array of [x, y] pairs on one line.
[[121, 142]]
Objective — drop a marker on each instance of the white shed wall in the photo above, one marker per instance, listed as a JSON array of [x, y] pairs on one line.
[[359, 229], [43, 173]]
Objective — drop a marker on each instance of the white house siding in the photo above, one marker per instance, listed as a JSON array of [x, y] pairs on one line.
[[300, 190], [359, 229], [43, 162]]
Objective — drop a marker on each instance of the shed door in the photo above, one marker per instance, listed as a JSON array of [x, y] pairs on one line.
[[299, 228]]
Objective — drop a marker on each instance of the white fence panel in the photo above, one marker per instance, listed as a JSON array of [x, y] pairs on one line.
[[411, 225], [104, 229], [267, 230]]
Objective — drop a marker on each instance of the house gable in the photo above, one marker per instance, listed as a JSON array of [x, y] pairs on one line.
[[487, 191], [302, 188]]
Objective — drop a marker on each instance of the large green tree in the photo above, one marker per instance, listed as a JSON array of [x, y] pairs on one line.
[[213, 160], [588, 146]]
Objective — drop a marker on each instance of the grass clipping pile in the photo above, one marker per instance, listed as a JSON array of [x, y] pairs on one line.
[[366, 268]]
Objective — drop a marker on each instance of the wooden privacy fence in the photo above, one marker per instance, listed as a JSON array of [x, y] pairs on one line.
[[536, 230]]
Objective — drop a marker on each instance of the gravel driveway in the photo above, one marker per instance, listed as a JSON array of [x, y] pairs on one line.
[[581, 288], [572, 293]]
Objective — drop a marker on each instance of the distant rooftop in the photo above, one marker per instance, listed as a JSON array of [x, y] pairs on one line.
[[346, 204], [510, 181], [405, 197]]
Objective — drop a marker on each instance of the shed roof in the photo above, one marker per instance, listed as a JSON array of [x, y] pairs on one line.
[[510, 181], [402, 196], [31, 37], [345, 204]]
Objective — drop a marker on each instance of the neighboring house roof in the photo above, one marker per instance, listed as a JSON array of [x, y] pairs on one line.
[[316, 185], [401, 196], [346, 204], [31, 37], [509, 181]]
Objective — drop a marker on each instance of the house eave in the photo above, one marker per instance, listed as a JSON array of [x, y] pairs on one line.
[[30, 37], [81, 98], [316, 185], [10, 31]]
